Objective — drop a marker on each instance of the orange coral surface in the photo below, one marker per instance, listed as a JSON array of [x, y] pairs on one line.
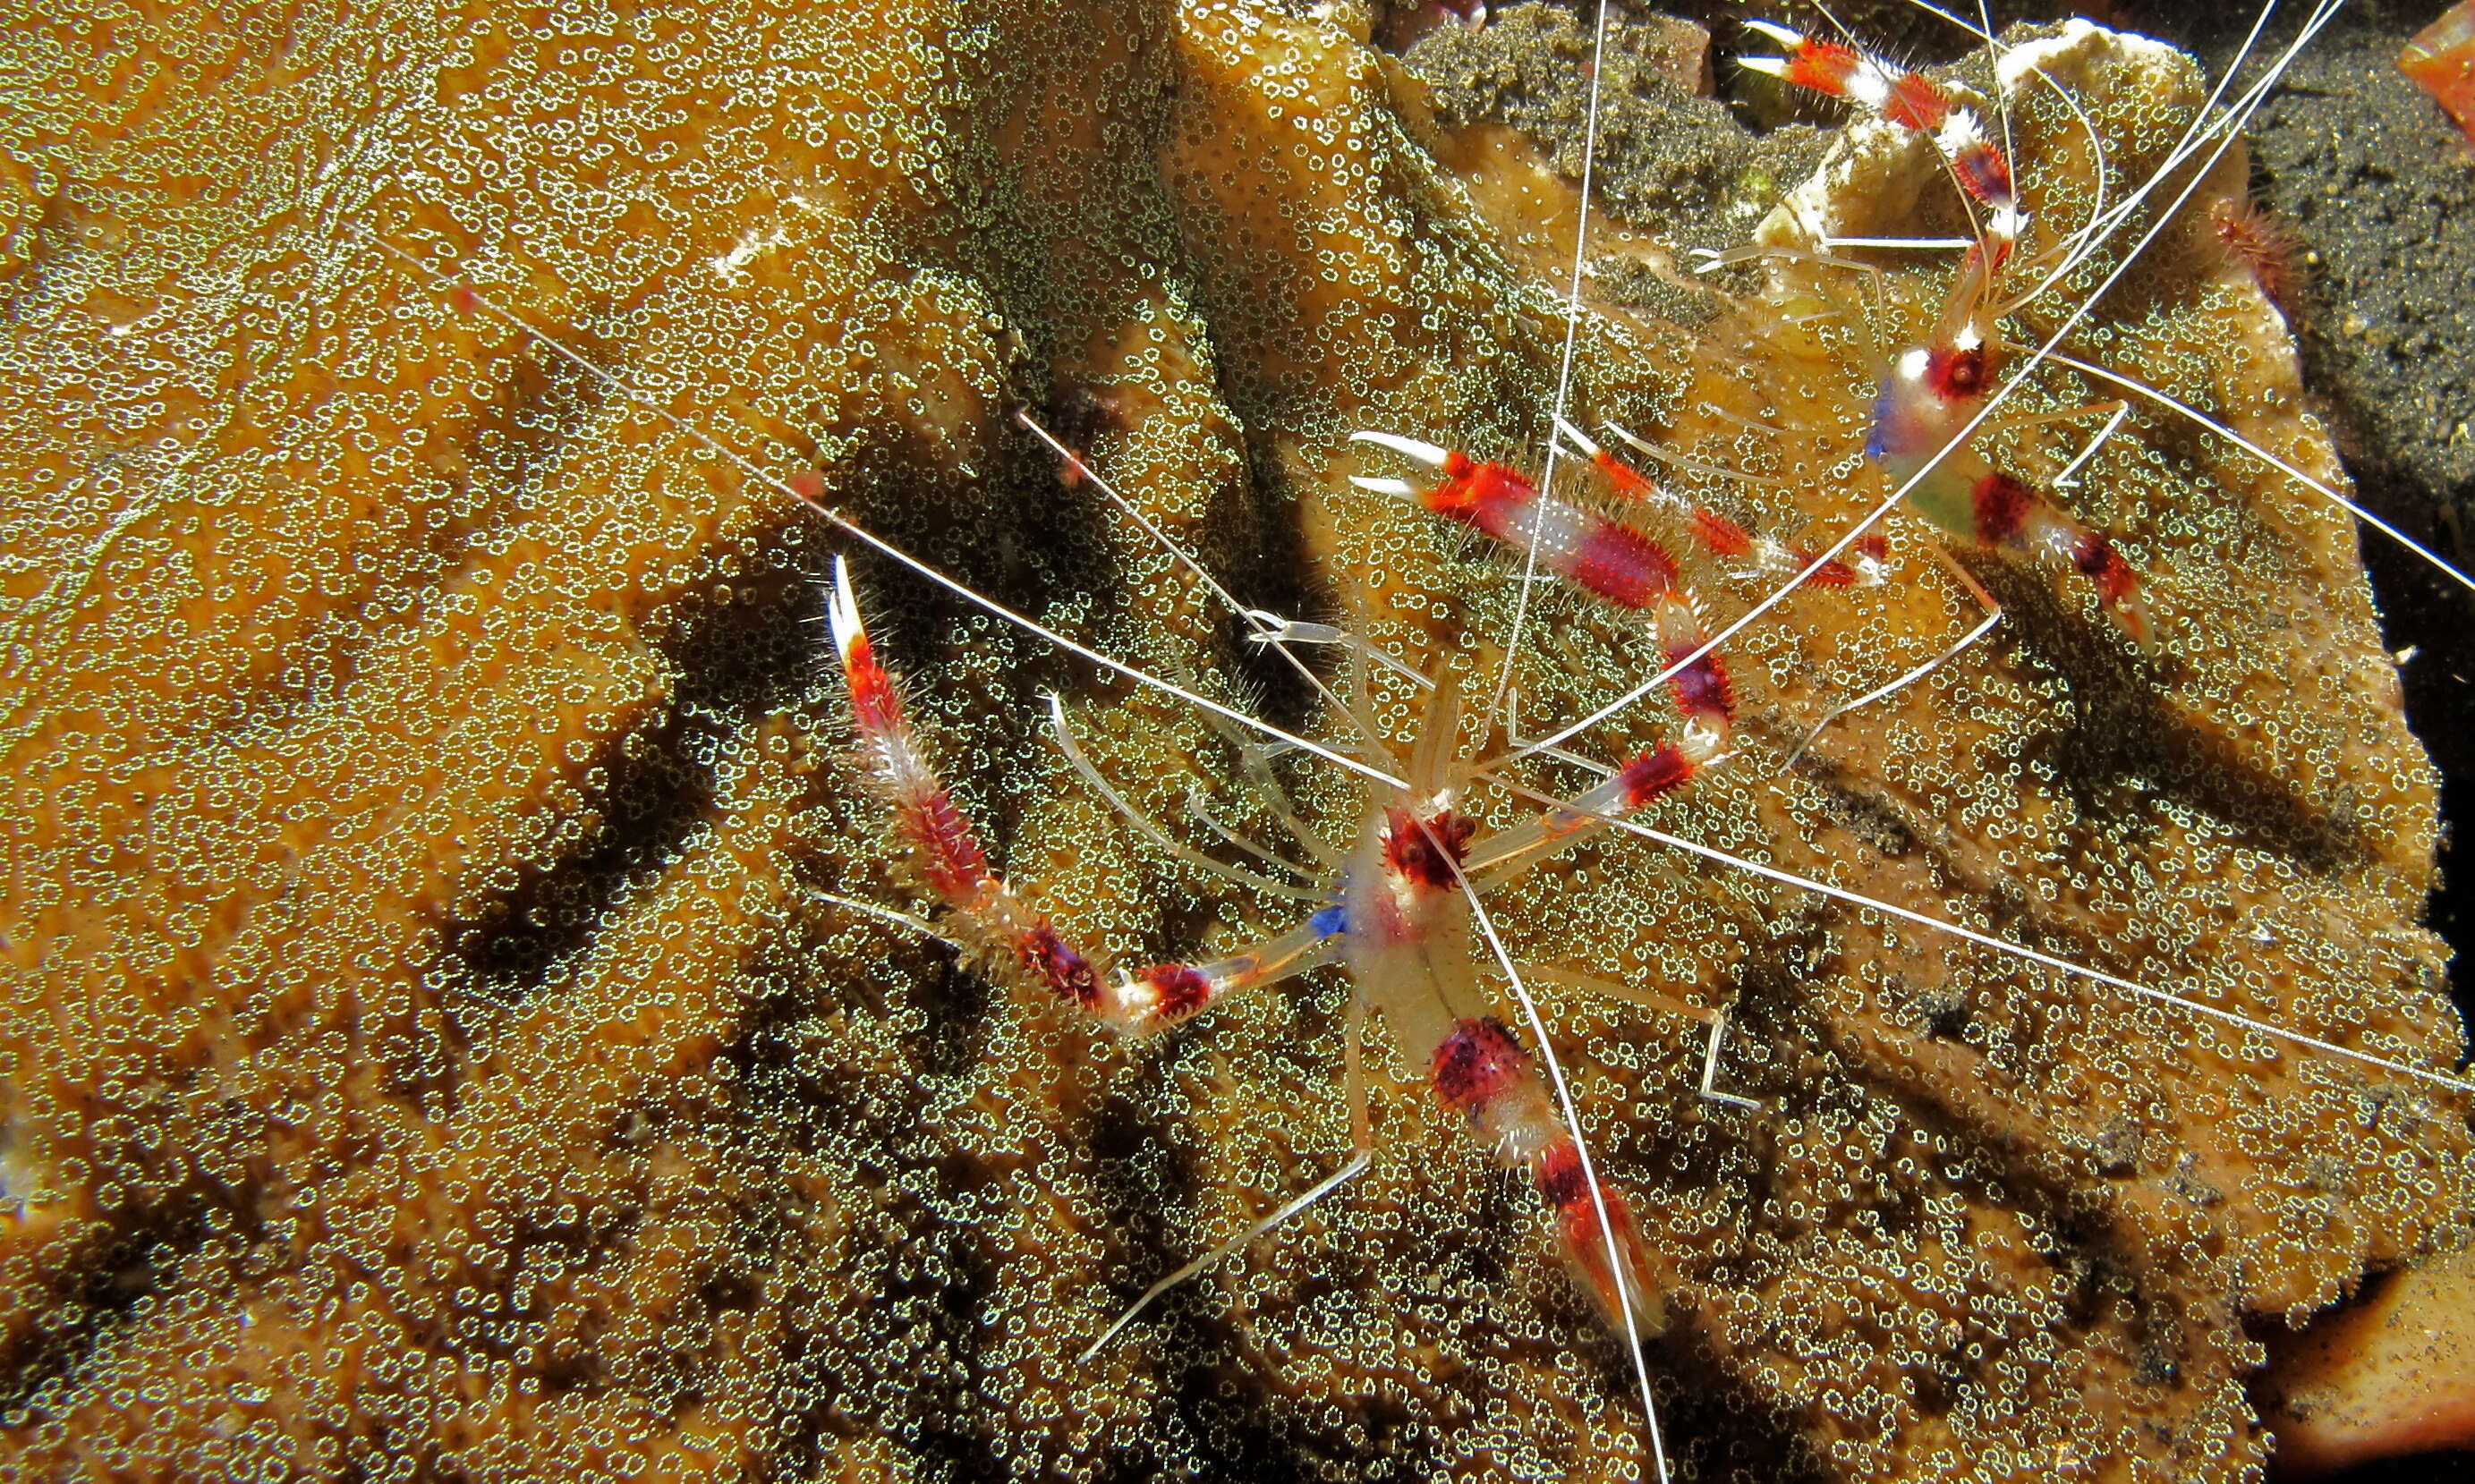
[[2441, 61], [427, 1052]]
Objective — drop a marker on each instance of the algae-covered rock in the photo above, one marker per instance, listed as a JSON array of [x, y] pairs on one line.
[[433, 1045]]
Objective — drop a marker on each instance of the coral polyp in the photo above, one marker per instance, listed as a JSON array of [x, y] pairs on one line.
[[435, 1045]]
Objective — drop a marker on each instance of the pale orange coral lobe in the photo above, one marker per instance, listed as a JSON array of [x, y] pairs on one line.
[[2390, 1375], [2440, 60]]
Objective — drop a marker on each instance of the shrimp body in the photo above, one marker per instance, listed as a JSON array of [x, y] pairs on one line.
[[1399, 915], [1909, 100], [1933, 391], [1964, 494], [1406, 897], [1926, 404], [1595, 552]]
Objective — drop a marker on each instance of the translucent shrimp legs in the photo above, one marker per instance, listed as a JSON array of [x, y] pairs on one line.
[[1398, 913], [1931, 393]]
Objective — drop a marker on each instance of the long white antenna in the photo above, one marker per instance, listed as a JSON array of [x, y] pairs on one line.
[[1262, 628], [2223, 430], [1981, 939], [1570, 1117], [1563, 369]]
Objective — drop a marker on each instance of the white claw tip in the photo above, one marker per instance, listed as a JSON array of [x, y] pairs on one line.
[[1777, 33], [1631, 437], [1400, 488], [842, 612], [1426, 453], [1773, 67]]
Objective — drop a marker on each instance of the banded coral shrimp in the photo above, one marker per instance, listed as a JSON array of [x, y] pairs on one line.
[[1400, 912], [747, 1210], [2121, 1144], [1846, 421]]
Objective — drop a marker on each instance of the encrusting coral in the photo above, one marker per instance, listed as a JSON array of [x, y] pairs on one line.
[[429, 1053], [2382, 1377]]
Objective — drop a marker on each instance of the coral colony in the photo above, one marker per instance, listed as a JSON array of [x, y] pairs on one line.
[[1856, 763]]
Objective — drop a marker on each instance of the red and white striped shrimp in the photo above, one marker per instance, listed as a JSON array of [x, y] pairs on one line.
[[1396, 910], [1932, 395], [1472, 1063], [1911, 101], [1007, 936], [1597, 553], [1401, 906]]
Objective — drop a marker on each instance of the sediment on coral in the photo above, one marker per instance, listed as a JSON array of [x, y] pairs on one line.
[[427, 1052]]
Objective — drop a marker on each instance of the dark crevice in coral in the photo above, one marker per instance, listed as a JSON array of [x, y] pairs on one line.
[[543, 405], [115, 1270], [1496, 1236], [59, 231], [658, 790], [1278, 583], [1218, 1396], [949, 1427], [785, 1073], [1078, 414], [1720, 1427], [2110, 1258], [738, 650], [763, 1054], [1019, 534], [932, 1306], [2090, 1235], [729, 1293], [1770, 1024], [2055, 1194], [2123, 732], [1875, 818], [569, 1375], [954, 1002], [483, 1318], [748, 645], [1141, 1172], [1870, 817]]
